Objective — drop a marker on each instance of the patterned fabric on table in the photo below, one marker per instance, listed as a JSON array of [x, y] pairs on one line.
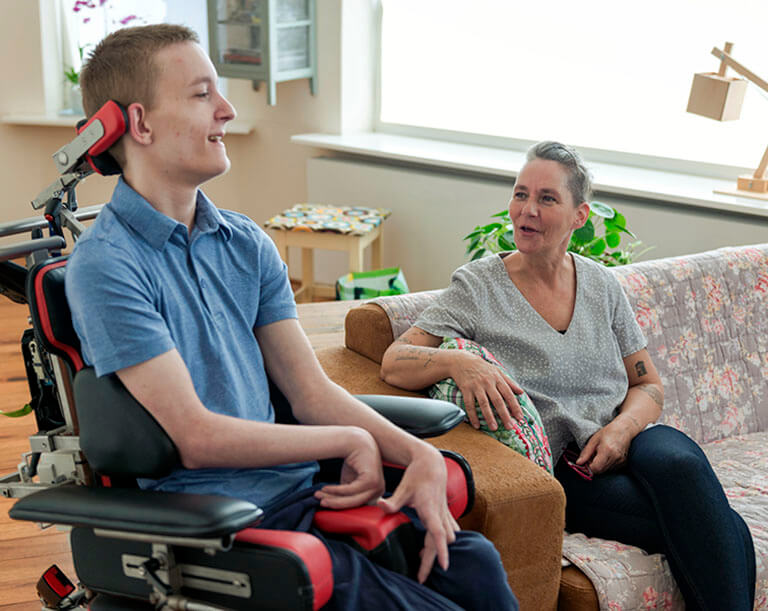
[[526, 437], [351, 220]]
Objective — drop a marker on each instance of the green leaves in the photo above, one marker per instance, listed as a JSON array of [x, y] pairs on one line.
[[584, 234], [507, 240], [601, 209], [599, 239], [23, 411]]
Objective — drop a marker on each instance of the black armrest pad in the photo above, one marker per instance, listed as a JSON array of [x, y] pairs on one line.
[[137, 511], [419, 416]]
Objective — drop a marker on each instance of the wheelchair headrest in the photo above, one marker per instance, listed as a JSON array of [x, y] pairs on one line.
[[114, 121], [50, 312], [117, 435]]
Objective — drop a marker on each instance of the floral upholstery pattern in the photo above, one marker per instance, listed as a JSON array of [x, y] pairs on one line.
[[705, 317], [626, 577]]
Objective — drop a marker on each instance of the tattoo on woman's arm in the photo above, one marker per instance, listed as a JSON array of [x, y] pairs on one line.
[[640, 368], [653, 392], [415, 353]]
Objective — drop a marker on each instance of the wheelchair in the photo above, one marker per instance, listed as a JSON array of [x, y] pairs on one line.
[[144, 549]]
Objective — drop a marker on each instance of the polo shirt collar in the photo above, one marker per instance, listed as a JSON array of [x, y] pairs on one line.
[[155, 227]]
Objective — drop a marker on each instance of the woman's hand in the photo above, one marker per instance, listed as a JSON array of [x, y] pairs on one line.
[[485, 384], [607, 449]]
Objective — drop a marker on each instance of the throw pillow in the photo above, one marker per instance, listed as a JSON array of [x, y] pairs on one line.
[[527, 436]]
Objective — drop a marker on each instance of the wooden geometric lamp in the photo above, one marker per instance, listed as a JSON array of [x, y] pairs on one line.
[[717, 96]]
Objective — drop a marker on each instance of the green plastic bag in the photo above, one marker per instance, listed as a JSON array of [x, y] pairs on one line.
[[367, 285]]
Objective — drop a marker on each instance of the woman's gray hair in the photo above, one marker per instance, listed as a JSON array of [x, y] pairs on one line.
[[579, 178]]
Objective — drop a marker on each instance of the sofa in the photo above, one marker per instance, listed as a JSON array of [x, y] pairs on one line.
[[706, 320]]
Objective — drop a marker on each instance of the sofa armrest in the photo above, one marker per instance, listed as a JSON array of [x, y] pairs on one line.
[[367, 331], [518, 505]]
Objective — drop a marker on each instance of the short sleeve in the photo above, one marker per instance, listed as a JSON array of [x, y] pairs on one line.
[[628, 333], [113, 310], [276, 300], [454, 311]]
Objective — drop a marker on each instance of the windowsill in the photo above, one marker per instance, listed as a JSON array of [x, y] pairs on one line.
[[642, 183], [62, 120]]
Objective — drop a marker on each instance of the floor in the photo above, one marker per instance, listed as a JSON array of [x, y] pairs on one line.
[[25, 550]]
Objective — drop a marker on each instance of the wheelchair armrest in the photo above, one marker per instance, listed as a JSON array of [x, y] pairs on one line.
[[132, 510], [419, 416]]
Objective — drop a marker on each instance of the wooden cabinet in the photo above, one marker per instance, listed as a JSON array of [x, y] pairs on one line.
[[266, 41]]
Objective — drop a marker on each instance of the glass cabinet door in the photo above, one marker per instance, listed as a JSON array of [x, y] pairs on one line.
[[267, 41], [239, 32]]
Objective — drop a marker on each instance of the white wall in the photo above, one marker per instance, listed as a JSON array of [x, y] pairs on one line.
[[268, 172], [434, 209]]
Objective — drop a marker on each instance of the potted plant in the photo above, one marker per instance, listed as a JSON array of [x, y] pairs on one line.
[[74, 98], [599, 239]]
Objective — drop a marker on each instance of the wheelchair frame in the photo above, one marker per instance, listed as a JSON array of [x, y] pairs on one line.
[[54, 476]]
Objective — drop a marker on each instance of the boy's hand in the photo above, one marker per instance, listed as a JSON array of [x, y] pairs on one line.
[[423, 487], [362, 478]]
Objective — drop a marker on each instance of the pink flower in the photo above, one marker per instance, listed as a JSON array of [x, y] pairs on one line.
[[666, 602], [650, 597], [128, 19], [762, 283], [647, 318], [614, 606]]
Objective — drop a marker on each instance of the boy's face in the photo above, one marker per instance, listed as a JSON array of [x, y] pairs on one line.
[[188, 117]]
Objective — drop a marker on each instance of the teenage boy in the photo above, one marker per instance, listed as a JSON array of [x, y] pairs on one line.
[[191, 307]]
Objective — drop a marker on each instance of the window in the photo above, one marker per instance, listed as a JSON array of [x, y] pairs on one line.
[[83, 23], [602, 75]]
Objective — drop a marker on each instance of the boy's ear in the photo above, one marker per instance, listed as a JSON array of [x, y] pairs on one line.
[[139, 129]]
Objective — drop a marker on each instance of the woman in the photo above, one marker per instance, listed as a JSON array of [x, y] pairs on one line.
[[563, 327]]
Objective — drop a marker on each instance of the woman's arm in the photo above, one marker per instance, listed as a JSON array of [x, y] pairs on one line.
[[607, 449], [414, 361], [645, 396]]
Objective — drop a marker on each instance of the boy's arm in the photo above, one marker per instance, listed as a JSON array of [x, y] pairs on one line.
[[205, 439], [315, 399]]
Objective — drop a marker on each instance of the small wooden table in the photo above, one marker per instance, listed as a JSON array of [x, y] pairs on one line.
[[350, 229], [308, 241]]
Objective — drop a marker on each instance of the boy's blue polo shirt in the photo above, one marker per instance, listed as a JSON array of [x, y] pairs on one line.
[[139, 284]]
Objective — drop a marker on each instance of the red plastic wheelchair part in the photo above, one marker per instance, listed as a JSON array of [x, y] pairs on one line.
[[53, 586], [309, 549], [368, 525]]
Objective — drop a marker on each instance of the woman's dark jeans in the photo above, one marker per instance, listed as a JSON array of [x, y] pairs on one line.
[[667, 499]]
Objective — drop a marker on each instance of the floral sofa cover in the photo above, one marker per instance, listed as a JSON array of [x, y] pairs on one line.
[[706, 320]]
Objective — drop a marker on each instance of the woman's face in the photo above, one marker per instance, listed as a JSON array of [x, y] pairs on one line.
[[542, 209]]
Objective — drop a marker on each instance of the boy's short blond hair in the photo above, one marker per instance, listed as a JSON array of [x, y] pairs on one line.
[[122, 66]]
